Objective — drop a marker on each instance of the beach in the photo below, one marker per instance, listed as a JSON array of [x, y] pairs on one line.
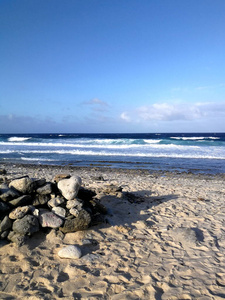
[[165, 241]]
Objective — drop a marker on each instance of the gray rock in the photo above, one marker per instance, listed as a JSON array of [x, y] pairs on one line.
[[74, 204], [24, 185], [4, 234], [7, 193], [74, 211], [38, 182], [26, 226], [49, 219], [45, 189], [54, 202], [22, 200], [59, 211], [40, 199], [81, 222], [6, 224], [70, 251], [70, 187], [19, 212], [4, 207]]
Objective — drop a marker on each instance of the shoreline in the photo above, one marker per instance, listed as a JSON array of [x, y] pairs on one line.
[[169, 244], [70, 168]]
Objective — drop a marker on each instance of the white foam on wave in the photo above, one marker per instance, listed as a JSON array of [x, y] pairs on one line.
[[193, 155], [37, 159], [194, 138], [152, 141], [66, 145], [18, 139]]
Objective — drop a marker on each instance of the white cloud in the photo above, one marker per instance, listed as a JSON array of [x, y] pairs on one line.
[[124, 116], [174, 112]]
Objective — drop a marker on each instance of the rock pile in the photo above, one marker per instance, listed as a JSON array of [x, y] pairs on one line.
[[28, 205]]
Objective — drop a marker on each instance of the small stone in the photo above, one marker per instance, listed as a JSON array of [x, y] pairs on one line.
[[19, 212], [74, 211], [4, 234], [45, 189], [26, 226], [59, 177], [59, 211], [49, 219], [5, 224], [24, 185], [56, 201], [74, 203], [70, 251], [70, 187]]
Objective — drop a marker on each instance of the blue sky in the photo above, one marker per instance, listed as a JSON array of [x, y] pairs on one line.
[[112, 66]]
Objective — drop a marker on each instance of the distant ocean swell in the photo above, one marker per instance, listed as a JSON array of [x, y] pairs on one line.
[[181, 152]]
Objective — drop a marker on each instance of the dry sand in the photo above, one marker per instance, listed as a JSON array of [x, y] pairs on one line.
[[168, 245]]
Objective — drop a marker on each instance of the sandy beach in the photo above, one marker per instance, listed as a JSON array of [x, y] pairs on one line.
[[166, 241]]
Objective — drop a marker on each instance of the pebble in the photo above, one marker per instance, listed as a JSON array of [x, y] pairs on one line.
[[55, 201], [74, 203], [70, 251], [59, 211]]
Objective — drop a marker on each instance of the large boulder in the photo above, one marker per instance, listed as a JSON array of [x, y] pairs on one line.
[[70, 187]]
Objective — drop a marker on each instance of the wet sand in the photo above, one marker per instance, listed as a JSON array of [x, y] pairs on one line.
[[168, 242]]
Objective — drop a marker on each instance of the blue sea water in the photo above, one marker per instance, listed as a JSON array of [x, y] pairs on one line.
[[189, 152]]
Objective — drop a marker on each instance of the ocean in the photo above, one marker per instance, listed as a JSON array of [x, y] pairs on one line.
[[181, 152]]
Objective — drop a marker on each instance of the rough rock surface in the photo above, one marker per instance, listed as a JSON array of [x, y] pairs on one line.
[[49, 219], [26, 226], [19, 212], [23, 185], [29, 204], [69, 187], [81, 222]]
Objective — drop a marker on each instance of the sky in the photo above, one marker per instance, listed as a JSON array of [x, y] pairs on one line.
[[112, 66]]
